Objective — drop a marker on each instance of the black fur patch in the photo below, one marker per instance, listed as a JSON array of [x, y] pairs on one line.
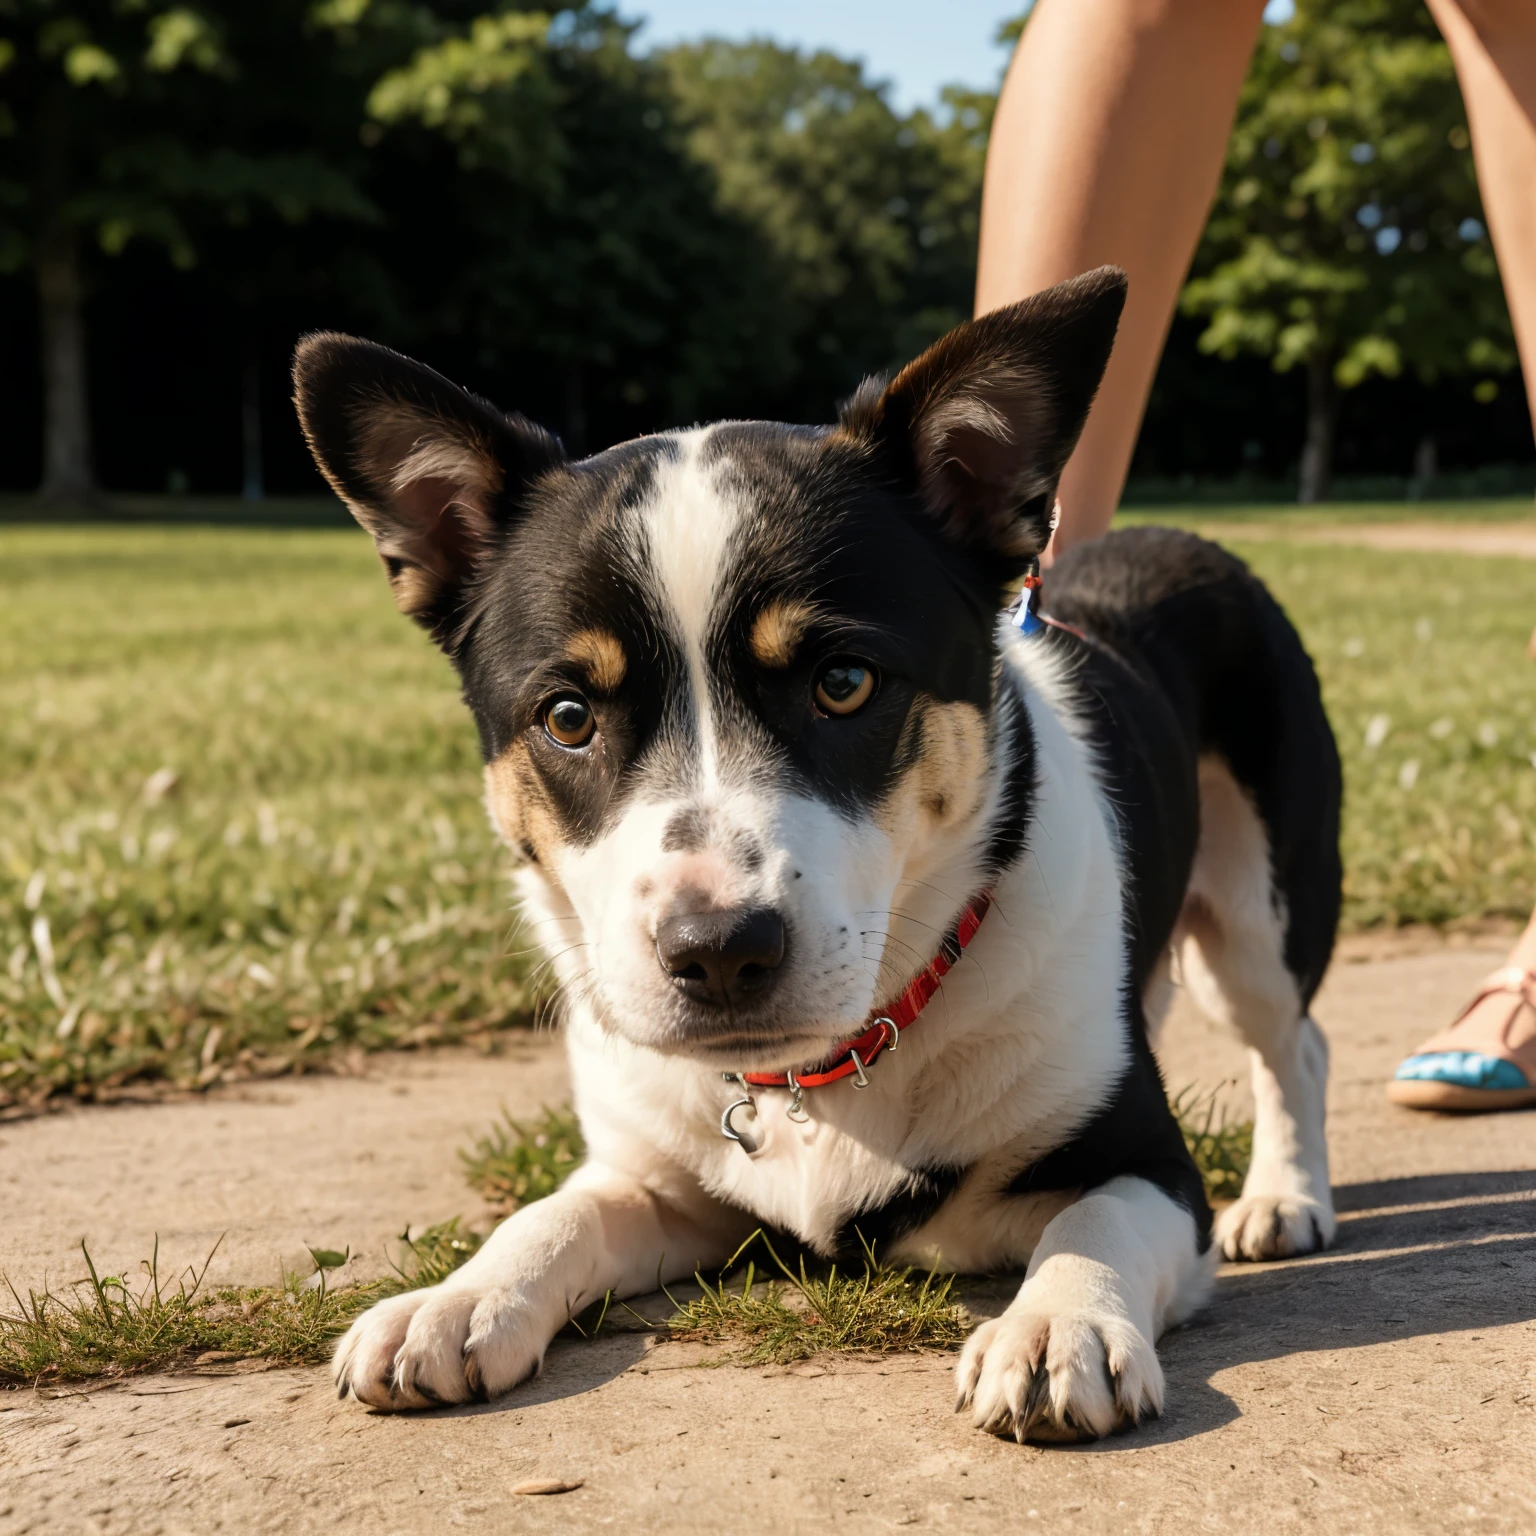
[[884, 1225], [1190, 654], [1133, 1133]]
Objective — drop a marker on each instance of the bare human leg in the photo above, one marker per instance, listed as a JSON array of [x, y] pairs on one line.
[[1487, 1058], [1107, 147]]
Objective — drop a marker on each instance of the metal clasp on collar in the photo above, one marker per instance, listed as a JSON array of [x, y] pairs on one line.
[[860, 1077], [796, 1111], [743, 1139], [888, 1028]]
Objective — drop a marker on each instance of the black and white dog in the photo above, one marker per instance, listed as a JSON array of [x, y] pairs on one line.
[[769, 749]]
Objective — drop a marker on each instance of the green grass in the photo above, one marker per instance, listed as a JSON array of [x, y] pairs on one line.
[[1333, 514], [106, 1326], [1221, 1146], [517, 1161], [879, 1310], [1433, 701], [320, 879]]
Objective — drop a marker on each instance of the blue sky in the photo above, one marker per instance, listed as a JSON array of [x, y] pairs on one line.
[[917, 45]]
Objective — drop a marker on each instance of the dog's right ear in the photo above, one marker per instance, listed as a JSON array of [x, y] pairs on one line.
[[434, 473], [982, 424]]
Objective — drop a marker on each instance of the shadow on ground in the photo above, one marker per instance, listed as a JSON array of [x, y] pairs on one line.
[[1373, 1287]]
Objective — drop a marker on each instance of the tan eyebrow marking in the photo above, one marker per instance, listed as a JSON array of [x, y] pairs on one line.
[[779, 629], [602, 656]]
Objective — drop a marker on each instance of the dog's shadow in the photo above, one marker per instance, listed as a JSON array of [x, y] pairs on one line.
[[572, 1366], [1415, 1256]]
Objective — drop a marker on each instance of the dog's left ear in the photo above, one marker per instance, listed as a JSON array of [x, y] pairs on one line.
[[983, 423]]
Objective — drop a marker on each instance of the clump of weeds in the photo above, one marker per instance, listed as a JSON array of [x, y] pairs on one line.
[[801, 1312], [1221, 1146], [104, 1326], [515, 1162]]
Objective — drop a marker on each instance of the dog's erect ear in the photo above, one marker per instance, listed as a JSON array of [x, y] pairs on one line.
[[434, 473], [984, 421]]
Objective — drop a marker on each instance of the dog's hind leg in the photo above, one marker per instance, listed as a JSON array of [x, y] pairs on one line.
[[1232, 949]]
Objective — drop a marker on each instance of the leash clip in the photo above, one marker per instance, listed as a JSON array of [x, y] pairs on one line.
[[797, 1110], [1025, 619], [889, 1030]]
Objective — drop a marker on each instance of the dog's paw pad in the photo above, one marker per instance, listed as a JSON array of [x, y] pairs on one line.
[[444, 1344], [1072, 1376], [1258, 1227]]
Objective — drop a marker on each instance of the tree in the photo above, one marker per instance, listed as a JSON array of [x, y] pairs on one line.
[[133, 121], [549, 235], [614, 242], [868, 218], [1347, 237], [725, 229]]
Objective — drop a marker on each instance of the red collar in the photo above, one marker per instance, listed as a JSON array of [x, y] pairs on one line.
[[884, 1030]]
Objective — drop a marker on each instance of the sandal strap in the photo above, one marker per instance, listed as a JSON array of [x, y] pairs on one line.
[[1512, 980]]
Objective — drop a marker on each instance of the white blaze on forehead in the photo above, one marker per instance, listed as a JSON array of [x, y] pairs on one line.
[[688, 520]]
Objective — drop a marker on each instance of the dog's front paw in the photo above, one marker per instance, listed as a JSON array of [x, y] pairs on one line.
[[445, 1344], [1274, 1227], [1073, 1375]]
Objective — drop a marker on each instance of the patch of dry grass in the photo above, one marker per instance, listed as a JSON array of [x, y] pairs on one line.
[[104, 1326], [802, 1312]]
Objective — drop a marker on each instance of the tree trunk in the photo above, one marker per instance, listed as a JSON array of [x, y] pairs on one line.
[[67, 471], [1322, 415], [1426, 466]]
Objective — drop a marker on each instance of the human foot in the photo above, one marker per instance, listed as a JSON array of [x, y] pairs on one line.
[[1486, 1059]]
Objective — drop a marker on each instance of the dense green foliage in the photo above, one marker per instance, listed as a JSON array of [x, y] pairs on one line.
[[868, 219], [610, 241], [152, 122], [1347, 237], [615, 241]]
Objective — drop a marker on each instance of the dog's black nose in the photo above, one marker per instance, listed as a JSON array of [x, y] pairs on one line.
[[722, 958]]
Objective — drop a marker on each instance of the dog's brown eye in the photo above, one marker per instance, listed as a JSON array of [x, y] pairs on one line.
[[845, 686], [569, 721]]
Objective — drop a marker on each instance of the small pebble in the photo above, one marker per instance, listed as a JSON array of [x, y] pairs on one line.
[[549, 1485]]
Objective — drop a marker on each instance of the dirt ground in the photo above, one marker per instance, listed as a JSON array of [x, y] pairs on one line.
[[1515, 540], [1388, 1385]]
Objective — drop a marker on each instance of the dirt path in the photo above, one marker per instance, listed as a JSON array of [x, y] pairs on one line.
[[1389, 1384], [1513, 540], [263, 1169]]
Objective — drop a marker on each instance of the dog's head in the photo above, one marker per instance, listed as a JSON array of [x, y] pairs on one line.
[[734, 685]]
